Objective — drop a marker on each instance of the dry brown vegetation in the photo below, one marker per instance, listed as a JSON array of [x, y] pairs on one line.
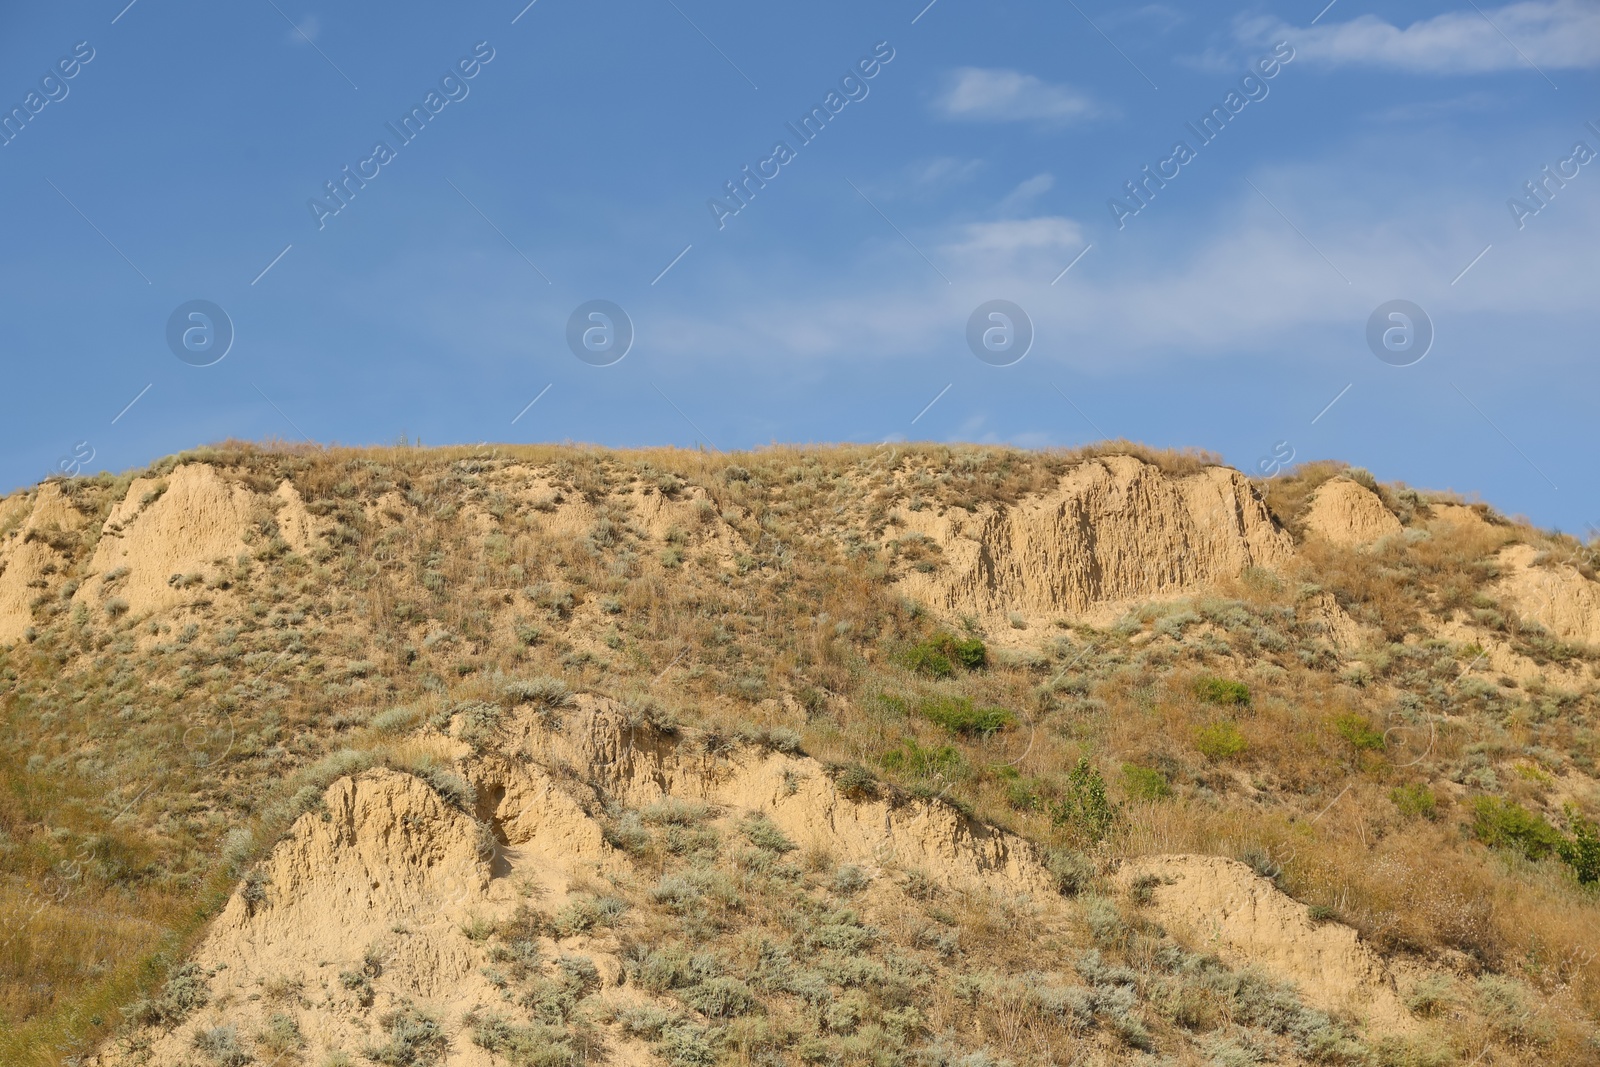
[[150, 756]]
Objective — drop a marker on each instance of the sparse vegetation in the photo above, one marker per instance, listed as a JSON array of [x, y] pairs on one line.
[[1372, 781]]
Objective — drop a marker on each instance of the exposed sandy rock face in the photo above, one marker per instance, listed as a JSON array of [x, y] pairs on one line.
[[1344, 632], [1558, 597], [797, 795], [1346, 513], [27, 559], [388, 878], [390, 854], [295, 523], [1225, 907], [1457, 515], [197, 521], [1499, 659], [563, 512], [393, 869], [1115, 529]]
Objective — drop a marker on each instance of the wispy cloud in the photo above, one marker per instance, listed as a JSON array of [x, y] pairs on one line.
[[1013, 246], [1550, 34], [982, 94], [1022, 197]]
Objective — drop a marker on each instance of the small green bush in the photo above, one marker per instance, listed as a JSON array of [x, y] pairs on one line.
[[1582, 850], [1145, 783], [854, 782], [960, 716], [1415, 801], [1507, 824], [941, 653], [1221, 691], [1358, 731], [912, 759], [1220, 740], [1084, 806]]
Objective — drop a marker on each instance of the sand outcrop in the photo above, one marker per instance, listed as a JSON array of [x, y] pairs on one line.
[[386, 880], [1222, 906], [1114, 529], [795, 792], [1346, 513], [1556, 596], [32, 553], [167, 536]]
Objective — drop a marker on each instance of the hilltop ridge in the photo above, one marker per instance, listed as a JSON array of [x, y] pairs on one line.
[[902, 754]]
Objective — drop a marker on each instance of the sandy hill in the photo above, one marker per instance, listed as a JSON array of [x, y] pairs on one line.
[[908, 755]]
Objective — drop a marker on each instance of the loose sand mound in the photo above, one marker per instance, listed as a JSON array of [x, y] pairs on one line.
[[1346, 513], [164, 532], [1557, 597], [1224, 907], [1115, 529]]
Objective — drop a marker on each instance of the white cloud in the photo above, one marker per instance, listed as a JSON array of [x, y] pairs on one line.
[[1014, 245], [1550, 34], [995, 95]]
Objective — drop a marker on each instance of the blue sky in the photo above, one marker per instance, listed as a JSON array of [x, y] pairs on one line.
[[978, 162]]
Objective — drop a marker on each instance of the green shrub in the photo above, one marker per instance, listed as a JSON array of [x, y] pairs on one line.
[[1084, 806], [1507, 824], [927, 660], [675, 811], [1433, 995], [942, 652], [970, 653], [1582, 850], [1024, 794], [960, 716], [1358, 731], [721, 997], [1145, 783], [854, 782], [583, 913], [912, 759], [452, 788], [1221, 691], [1220, 740], [1415, 801], [479, 721]]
